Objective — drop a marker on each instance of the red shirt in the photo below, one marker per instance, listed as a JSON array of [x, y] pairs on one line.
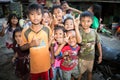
[[69, 61]]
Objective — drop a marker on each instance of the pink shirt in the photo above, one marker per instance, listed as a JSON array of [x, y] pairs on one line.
[[57, 58]]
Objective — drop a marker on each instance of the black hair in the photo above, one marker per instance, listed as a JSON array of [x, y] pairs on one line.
[[18, 29], [9, 21], [63, 2], [56, 7], [35, 6], [68, 18], [58, 27], [86, 14], [97, 9]]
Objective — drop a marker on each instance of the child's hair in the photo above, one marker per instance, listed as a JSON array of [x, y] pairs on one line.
[[72, 31], [46, 11], [63, 2], [68, 18], [97, 10], [56, 7], [18, 29], [35, 7], [86, 14], [57, 27], [9, 21]]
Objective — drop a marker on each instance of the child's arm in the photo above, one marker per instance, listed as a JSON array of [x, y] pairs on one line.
[[5, 25], [2, 32], [100, 53], [51, 39], [75, 10], [14, 57], [79, 38], [52, 53], [60, 48]]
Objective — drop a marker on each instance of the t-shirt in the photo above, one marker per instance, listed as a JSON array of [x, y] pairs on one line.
[[70, 61], [40, 55], [88, 44], [95, 23]]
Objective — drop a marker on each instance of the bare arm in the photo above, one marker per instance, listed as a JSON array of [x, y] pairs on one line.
[[2, 33], [100, 52], [76, 23], [75, 10], [52, 53], [59, 49]]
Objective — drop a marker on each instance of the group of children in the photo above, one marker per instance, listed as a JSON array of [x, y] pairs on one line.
[[56, 46]]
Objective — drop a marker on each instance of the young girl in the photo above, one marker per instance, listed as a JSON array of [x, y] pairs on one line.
[[59, 39], [21, 57], [8, 29], [46, 20]]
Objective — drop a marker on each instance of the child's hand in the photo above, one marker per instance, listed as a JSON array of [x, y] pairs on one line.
[[99, 59], [35, 42], [52, 37], [5, 25], [76, 21], [55, 21], [66, 38], [13, 59]]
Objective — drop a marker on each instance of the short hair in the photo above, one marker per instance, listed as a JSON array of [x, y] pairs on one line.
[[68, 18], [86, 14], [58, 27], [35, 6], [56, 7], [71, 31], [64, 2]]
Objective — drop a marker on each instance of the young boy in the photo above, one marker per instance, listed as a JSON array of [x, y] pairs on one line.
[[89, 39], [36, 39], [69, 63]]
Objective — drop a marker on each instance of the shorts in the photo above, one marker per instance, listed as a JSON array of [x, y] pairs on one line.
[[74, 73], [85, 65], [43, 76]]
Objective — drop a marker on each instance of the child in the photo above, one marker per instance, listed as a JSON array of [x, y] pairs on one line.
[[46, 20], [21, 57], [95, 9], [69, 63], [36, 39], [69, 24], [59, 38], [57, 13], [89, 39], [8, 29]]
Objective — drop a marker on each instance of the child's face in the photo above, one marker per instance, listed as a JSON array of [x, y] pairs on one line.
[[14, 20], [46, 19], [59, 35], [72, 39], [86, 22], [58, 13], [69, 24], [18, 37], [35, 16]]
